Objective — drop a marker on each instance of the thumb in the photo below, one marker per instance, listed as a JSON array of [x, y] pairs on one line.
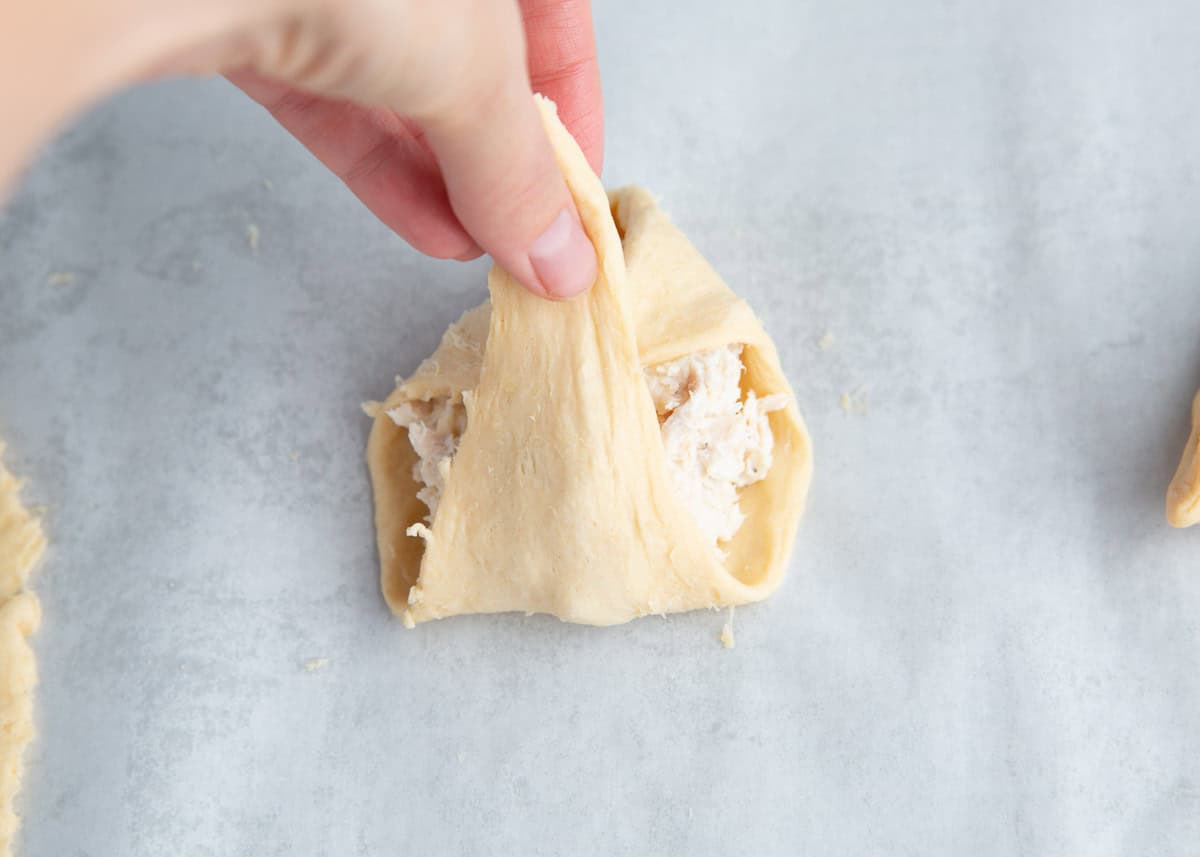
[[458, 69], [501, 176], [506, 189]]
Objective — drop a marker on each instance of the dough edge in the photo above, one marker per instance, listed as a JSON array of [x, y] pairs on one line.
[[21, 545], [1183, 494]]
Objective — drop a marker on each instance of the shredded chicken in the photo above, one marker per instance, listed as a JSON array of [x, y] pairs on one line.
[[434, 429], [716, 440]]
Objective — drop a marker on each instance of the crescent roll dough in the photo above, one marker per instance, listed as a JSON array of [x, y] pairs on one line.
[[21, 543], [1183, 495], [558, 498]]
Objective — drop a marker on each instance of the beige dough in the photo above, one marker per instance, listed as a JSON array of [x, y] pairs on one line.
[[21, 544], [558, 498], [1183, 496]]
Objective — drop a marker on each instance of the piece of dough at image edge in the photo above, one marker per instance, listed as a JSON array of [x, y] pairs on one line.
[[634, 451], [21, 544], [1183, 495]]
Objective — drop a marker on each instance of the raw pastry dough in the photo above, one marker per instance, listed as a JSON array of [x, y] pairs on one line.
[[21, 543], [1183, 496], [558, 498]]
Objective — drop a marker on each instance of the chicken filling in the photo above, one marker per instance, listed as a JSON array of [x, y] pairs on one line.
[[717, 440]]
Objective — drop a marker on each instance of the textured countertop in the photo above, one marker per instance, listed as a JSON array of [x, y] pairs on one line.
[[989, 640]]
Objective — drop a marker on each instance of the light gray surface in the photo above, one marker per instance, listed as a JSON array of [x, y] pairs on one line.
[[989, 640]]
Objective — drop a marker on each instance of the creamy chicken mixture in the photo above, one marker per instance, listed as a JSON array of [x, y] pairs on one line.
[[434, 429], [716, 440]]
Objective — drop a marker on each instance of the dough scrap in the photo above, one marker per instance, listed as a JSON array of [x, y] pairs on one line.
[[1183, 495], [21, 545], [559, 499]]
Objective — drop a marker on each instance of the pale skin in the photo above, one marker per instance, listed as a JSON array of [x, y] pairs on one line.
[[422, 107]]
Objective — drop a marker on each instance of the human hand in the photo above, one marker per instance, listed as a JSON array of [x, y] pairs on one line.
[[422, 107], [453, 156]]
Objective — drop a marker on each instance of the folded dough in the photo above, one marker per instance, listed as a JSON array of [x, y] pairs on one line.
[[21, 543], [717, 437], [558, 497], [1183, 495]]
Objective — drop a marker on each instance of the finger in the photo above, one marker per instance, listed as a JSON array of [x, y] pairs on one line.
[[381, 158], [504, 183], [461, 75], [562, 66]]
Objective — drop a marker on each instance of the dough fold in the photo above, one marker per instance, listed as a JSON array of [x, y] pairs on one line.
[[1183, 495], [558, 498], [21, 544]]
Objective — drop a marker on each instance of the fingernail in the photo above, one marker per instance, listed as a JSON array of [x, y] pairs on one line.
[[563, 258]]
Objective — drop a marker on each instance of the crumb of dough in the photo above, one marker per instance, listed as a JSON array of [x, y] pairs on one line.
[[826, 341], [853, 402], [313, 665], [727, 639], [717, 439], [268, 184], [60, 278], [252, 237], [371, 408], [294, 455]]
